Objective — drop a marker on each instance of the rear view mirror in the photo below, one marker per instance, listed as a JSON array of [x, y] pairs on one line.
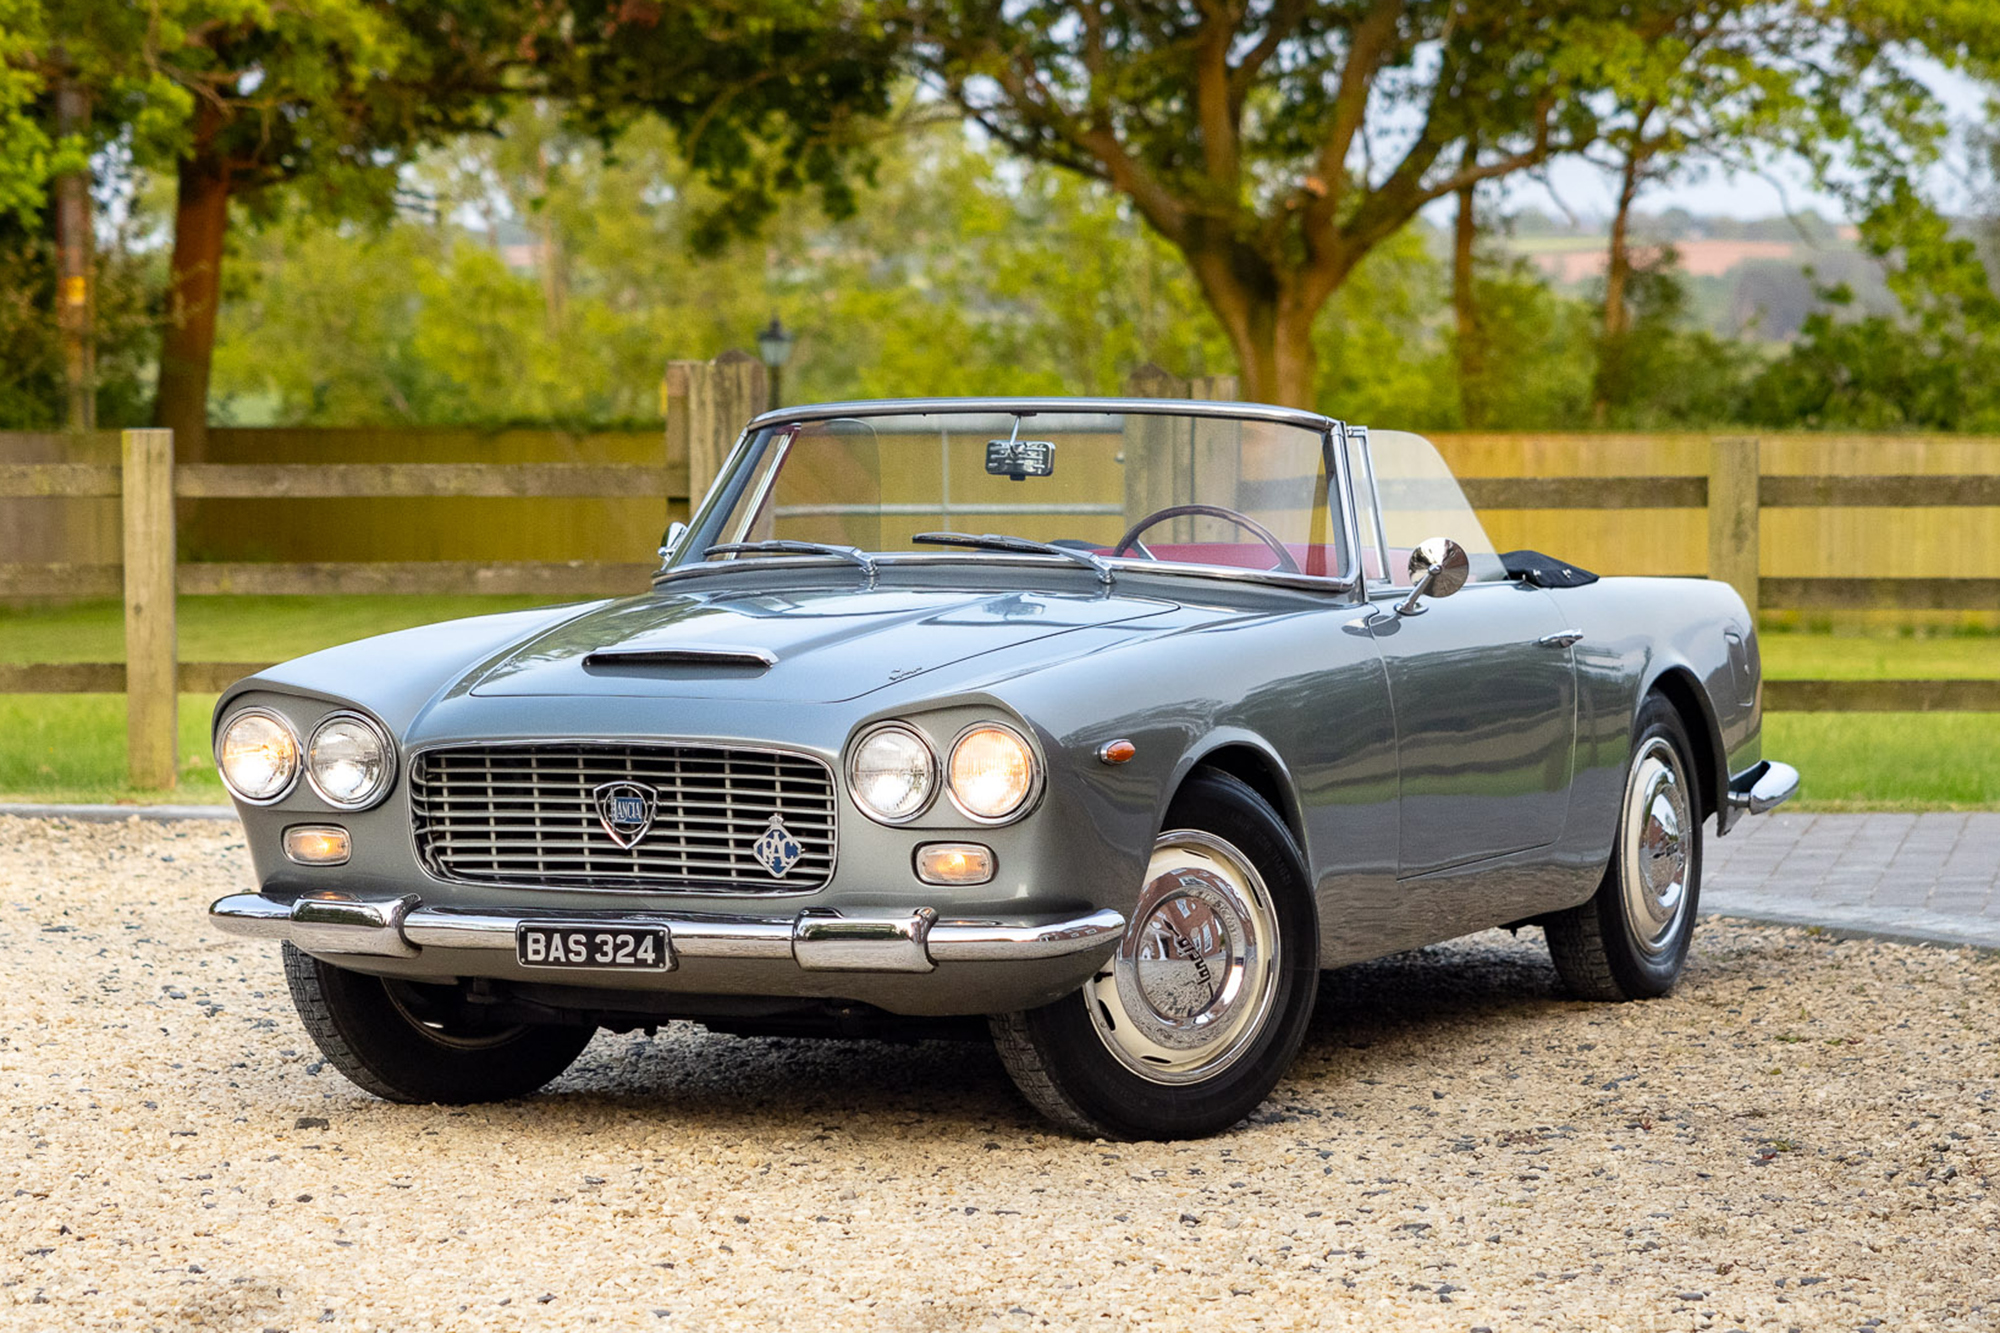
[[1438, 568], [671, 540], [1021, 459]]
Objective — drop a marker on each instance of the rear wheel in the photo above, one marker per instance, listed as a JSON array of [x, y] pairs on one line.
[[1199, 1011], [410, 1042], [1630, 941]]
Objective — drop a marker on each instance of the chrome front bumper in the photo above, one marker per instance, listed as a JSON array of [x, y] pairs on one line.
[[1763, 786], [816, 940]]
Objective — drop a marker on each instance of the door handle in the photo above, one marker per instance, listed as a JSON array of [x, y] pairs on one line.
[[1561, 638]]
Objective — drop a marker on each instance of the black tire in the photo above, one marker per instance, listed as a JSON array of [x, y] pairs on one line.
[[368, 1028], [1064, 1057], [1610, 948]]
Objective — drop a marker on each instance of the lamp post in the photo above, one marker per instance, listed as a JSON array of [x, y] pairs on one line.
[[774, 347]]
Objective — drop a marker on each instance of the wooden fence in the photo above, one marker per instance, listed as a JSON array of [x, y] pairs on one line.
[[708, 402]]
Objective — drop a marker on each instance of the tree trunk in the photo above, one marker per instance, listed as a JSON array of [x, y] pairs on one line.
[[1269, 328], [1610, 379], [187, 346], [1471, 345], [74, 305]]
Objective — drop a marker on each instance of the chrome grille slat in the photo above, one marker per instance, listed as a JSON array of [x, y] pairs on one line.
[[524, 814]]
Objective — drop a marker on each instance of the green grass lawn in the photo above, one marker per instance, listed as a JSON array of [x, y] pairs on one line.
[[72, 747]]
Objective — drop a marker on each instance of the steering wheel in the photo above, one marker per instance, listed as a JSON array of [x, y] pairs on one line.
[[1130, 541]]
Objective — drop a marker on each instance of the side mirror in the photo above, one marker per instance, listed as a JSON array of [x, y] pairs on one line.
[[1438, 568], [670, 542]]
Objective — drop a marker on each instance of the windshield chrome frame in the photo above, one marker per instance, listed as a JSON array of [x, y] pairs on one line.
[[730, 481]]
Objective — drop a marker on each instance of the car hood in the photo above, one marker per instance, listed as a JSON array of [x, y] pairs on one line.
[[818, 645]]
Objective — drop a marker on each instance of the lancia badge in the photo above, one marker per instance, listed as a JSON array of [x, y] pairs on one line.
[[625, 809], [776, 849]]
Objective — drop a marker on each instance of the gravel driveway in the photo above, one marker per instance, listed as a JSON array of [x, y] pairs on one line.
[[1801, 1137]]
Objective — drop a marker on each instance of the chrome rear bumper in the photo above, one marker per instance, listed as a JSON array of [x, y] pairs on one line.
[[1763, 786], [817, 940]]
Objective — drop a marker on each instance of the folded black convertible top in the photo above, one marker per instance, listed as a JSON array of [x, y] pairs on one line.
[[1544, 571]]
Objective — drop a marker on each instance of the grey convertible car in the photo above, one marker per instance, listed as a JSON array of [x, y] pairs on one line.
[[1100, 725]]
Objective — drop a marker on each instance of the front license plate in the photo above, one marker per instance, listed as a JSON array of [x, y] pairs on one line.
[[601, 948]]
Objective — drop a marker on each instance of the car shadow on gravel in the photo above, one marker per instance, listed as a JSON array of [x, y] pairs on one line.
[[1370, 1018]]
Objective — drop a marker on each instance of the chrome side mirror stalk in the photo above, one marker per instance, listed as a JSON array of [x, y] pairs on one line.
[[670, 542], [1438, 568]]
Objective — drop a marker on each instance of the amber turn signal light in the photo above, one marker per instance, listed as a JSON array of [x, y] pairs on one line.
[[1116, 752], [954, 863], [317, 844]]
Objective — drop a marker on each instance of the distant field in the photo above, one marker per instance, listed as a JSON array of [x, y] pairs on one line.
[[72, 747]]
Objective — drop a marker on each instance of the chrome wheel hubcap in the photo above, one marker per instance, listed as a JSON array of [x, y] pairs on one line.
[[1656, 845], [1192, 982]]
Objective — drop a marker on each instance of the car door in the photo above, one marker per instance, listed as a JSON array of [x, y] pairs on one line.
[[1484, 699], [1481, 684]]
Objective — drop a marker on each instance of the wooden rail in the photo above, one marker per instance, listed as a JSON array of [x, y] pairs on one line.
[[707, 402]]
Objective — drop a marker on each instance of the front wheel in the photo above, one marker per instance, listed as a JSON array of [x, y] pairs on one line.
[[1630, 941], [1198, 1013], [409, 1042]]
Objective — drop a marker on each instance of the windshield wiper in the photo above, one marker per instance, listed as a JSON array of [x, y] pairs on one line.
[[783, 546], [993, 541]]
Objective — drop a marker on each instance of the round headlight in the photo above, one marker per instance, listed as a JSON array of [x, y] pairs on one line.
[[258, 756], [348, 761], [892, 774], [992, 772]]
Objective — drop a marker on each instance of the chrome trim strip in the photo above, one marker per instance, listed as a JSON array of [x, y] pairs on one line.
[[843, 510], [1763, 787], [816, 940], [989, 941], [893, 407], [689, 655], [889, 559]]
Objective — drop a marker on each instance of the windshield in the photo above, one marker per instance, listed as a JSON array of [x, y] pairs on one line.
[[1183, 489]]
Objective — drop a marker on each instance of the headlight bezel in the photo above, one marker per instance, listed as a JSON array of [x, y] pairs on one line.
[[1037, 775], [935, 779], [382, 738], [291, 732]]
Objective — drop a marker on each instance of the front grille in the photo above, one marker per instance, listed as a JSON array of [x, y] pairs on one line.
[[527, 814]]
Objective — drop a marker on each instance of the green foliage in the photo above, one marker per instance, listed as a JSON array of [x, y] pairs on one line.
[[1936, 368], [768, 97], [578, 278], [27, 153], [125, 293]]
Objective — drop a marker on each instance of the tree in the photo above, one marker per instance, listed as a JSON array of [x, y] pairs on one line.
[[1274, 145], [1728, 83], [332, 98]]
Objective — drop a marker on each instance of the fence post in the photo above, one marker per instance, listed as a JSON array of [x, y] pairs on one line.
[[1733, 542], [708, 404], [151, 694]]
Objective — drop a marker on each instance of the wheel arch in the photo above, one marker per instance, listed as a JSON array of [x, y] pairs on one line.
[[1678, 686], [1257, 767]]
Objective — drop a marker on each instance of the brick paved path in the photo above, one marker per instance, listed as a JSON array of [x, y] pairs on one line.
[[1932, 877]]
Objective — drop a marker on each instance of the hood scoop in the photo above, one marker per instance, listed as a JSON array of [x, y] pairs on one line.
[[614, 661]]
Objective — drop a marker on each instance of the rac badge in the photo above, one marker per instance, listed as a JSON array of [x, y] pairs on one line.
[[625, 809], [776, 849]]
